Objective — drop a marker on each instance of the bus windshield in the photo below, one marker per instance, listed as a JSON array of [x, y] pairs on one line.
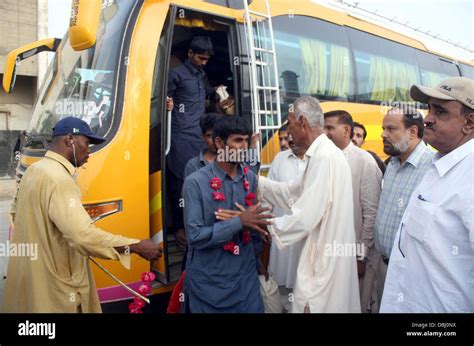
[[83, 84]]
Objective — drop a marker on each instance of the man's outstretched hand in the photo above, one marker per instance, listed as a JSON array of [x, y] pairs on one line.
[[147, 249], [252, 217], [226, 214]]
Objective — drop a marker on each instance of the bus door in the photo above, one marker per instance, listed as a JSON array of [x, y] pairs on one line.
[[180, 27]]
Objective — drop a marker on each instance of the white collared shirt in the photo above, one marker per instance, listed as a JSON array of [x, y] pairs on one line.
[[286, 166], [431, 265]]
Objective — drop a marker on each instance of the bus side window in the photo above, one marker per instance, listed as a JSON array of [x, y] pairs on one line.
[[315, 62], [434, 69], [385, 69]]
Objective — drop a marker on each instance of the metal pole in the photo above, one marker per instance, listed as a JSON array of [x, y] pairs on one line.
[[136, 294]]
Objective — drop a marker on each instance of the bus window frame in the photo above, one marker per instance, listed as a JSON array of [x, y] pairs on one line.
[[355, 73]]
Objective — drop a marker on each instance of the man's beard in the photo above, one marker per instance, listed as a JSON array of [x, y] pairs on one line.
[[212, 149], [399, 148]]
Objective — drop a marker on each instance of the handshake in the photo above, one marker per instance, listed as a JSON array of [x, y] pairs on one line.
[[147, 249]]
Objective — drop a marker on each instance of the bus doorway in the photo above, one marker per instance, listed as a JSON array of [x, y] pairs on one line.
[[182, 26]]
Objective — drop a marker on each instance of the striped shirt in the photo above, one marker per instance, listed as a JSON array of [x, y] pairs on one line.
[[399, 181]]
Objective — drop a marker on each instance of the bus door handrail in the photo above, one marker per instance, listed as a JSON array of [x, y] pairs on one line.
[[168, 134]]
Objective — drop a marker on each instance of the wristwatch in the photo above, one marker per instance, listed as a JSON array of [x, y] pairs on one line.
[[362, 259]]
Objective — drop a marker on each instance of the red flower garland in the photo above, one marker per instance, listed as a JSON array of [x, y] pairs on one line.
[[148, 276], [144, 288], [216, 184], [231, 247], [218, 196], [246, 237], [136, 306], [249, 199]]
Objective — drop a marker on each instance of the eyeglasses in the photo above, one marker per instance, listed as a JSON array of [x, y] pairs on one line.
[[400, 239]]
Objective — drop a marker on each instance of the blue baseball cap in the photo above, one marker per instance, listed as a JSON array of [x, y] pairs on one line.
[[76, 126]]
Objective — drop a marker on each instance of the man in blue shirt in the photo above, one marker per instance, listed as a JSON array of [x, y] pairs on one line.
[[188, 91], [207, 156], [209, 153], [410, 158], [221, 270]]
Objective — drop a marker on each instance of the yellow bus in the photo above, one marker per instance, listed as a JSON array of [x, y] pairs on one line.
[[111, 70]]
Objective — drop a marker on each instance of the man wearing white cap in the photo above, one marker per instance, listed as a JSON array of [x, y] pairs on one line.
[[432, 261]]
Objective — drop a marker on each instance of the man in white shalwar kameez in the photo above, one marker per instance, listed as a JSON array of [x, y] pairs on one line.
[[321, 212], [286, 166]]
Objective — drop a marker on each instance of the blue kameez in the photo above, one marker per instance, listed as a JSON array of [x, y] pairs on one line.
[[217, 280]]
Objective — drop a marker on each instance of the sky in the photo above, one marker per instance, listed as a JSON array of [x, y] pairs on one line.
[[58, 17], [451, 19]]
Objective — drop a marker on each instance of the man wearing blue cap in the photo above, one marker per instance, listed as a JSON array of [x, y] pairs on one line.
[[48, 211]]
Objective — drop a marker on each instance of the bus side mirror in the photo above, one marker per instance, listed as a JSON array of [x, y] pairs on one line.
[[84, 23], [15, 56]]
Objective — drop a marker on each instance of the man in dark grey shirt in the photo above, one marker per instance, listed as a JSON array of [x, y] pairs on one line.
[[187, 88], [208, 154]]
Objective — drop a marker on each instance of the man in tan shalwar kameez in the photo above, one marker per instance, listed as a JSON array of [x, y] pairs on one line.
[[48, 211]]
